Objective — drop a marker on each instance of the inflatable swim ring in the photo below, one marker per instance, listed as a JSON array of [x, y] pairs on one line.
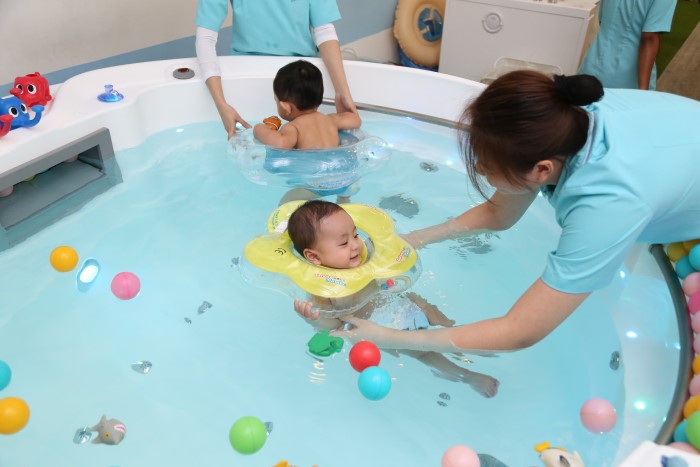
[[389, 264], [321, 170], [418, 30]]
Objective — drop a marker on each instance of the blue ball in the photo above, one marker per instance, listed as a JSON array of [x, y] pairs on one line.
[[683, 267], [5, 375], [679, 435], [694, 257], [374, 383]]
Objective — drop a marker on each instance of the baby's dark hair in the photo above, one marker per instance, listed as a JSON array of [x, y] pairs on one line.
[[300, 83], [304, 222]]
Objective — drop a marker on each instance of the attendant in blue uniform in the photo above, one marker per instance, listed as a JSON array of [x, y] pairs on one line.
[[618, 169], [270, 27], [623, 53]]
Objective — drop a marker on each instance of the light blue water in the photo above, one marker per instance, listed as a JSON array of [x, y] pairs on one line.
[[177, 220]]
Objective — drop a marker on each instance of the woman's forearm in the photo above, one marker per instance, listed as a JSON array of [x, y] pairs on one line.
[[332, 58]]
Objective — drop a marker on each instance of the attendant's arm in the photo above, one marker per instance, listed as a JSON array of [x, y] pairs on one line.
[[648, 50], [536, 314], [205, 46], [329, 48], [499, 213], [285, 138]]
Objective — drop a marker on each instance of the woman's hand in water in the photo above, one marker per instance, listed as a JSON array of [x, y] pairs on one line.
[[415, 239], [229, 117], [305, 309], [357, 329]]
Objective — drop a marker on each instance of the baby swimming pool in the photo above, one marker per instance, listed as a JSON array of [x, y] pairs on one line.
[[181, 215]]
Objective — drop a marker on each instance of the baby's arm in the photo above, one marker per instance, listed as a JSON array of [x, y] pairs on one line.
[[308, 310], [346, 120], [433, 313], [285, 138]]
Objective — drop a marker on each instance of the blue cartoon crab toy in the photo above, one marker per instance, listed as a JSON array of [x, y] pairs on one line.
[[14, 107]]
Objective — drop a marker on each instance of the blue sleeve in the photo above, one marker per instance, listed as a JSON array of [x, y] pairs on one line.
[[659, 16], [597, 234], [211, 14], [323, 12]]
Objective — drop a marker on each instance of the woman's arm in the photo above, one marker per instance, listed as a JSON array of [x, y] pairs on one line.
[[330, 53], [499, 213], [648, 50], [205, 47], [536, 314]]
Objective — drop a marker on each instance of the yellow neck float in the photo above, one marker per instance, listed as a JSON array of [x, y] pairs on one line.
[[389, 262]]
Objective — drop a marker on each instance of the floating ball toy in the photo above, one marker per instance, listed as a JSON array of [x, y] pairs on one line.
[[126, 285], [598, 415], [460, 456], [374, 383], [364, 355], [692, 430], [679, 433], [14, 415], [691, 283], [694, 386], [694, 303], [247, 435], [683, 267], [63, 258], [676, 251], [5, 375], [696, 364], [691, 406], [689, 244], [694, 257]]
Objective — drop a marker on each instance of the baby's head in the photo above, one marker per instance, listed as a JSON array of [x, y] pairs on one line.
[[325, 234], [300, 84]]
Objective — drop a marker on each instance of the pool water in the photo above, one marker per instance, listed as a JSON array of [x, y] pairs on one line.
[[180, 219]]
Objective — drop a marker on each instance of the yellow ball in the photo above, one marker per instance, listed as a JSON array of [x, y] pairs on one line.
[[691, 406], [676, 251], [14, 415], [64, 258], [696, 365], [689, 244]]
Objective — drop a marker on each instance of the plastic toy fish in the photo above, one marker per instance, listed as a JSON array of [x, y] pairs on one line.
[[32, 89], [558, 457], [110, 431], [5, 124], [17, 109]]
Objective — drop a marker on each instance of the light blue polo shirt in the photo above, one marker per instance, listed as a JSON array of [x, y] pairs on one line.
[[613, 56], [269, 27], [637, 178]]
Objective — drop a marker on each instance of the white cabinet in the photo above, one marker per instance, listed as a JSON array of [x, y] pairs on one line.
[[477, 33]]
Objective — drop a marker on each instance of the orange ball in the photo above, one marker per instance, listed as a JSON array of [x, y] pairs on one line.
[[689, 244], [696, 365], [14, 415], [691, 406], [63, 258]]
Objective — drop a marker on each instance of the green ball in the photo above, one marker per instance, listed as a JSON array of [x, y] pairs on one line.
[[692, 429], [247, 435]]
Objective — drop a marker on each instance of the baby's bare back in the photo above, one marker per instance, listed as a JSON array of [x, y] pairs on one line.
[[316, 131]]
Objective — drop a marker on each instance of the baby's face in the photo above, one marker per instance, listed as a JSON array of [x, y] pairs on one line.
[[337, 245]]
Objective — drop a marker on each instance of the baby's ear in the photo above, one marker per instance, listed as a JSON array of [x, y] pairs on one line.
[[312, 256], [287, 106]]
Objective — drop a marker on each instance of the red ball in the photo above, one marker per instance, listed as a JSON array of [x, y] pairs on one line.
[[364, 355]]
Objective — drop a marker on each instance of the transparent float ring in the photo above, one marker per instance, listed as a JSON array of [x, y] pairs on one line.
[[321, 170], [389, 263]]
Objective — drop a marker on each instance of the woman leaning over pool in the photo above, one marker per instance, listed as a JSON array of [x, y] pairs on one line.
[[618, 169]]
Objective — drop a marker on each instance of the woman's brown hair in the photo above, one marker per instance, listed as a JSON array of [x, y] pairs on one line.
[[524, 117]]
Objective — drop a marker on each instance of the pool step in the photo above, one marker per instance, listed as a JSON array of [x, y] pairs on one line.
[[58, 187]]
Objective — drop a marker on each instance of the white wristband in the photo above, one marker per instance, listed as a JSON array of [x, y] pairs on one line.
[[205, 47]]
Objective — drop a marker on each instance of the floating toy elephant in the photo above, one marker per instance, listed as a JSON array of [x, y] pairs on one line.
[[32, 89], [17, 109], [558, 457], [110, 431], [5, 124]]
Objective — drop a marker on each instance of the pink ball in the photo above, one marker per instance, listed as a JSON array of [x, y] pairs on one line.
[[691, 283], [694, 303], [685, 447], [694, 386], [695, 322], [460, 456], [126, 285], [598, 415], [696, 341]]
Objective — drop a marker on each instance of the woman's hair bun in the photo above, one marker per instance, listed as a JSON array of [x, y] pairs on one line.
[[579, 89]]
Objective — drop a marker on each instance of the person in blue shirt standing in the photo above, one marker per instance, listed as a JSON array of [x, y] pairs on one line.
[[623, 53], [270, 27], [617, 169]]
